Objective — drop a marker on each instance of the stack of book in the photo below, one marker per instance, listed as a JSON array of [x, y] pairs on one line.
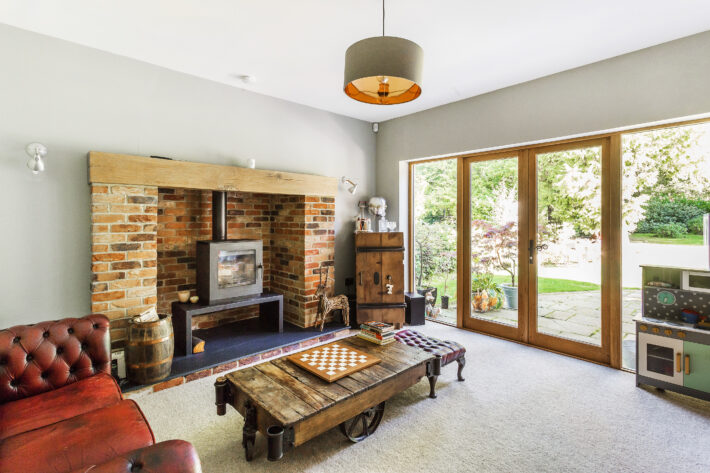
[[377, 332]]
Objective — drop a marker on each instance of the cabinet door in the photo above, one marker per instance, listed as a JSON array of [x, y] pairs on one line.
[[660, 358], [696, 359], [369, 277], [393, 266]]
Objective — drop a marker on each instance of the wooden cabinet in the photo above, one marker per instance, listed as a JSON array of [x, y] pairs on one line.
[[379, 278]]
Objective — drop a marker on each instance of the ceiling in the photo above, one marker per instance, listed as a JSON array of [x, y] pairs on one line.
[[295, 48]]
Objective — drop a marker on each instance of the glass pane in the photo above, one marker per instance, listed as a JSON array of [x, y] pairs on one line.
[[236, 268], [660, 359], [434, 191], [494, 241], [569, 239], [666, 193]]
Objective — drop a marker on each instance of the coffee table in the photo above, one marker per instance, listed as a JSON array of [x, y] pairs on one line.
[[291, 406]]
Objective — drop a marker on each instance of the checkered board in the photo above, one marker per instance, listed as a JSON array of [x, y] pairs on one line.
[[333, 361]]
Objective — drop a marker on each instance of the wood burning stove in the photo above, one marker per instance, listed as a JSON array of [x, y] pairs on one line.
[[227, 268]]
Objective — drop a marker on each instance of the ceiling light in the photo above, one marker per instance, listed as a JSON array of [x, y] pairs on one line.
[[246, 78], [36, 151], [383, 70]]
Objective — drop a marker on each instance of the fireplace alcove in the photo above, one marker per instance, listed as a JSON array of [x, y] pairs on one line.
[[147, 217]]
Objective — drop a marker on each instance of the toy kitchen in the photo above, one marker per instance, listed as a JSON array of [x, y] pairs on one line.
[[673, 330]]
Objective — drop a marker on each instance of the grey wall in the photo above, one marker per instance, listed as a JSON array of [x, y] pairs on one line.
[[75, 99], [663, 82]]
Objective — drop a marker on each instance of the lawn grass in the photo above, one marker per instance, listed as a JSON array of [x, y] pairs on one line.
[[651, 238], [545, 285]]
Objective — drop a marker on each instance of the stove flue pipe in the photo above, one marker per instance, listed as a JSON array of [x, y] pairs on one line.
[[219, 215]]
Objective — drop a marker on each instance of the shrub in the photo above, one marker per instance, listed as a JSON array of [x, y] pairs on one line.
[[671, 230], [661, 211], [644, 226], [664, 210], [695, 225]]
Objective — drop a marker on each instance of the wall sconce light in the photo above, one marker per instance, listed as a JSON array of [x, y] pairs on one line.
[[353, 185], [36, 151]]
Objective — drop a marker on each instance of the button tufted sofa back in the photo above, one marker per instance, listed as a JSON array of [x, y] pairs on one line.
[[48, 355]]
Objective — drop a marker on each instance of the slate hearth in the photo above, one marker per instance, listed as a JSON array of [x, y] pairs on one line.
[[238, 344]]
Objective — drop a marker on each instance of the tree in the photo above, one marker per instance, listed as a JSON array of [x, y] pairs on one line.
[[430, 242], [495, 246]]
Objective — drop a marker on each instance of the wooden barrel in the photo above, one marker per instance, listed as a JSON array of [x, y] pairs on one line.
[[149, 350]]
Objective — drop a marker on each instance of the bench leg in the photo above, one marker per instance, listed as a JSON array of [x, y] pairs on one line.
[[462, 362], [433, 371], [432, 386]]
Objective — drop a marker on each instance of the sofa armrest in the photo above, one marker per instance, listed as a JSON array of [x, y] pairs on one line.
[[172, 456], [48, 355]]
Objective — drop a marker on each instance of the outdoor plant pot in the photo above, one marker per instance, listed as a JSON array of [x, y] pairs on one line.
[[485, 301], [444, 302], [422, 292], [511, 295]]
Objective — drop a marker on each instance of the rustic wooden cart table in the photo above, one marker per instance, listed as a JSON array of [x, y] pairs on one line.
[[291, 406]]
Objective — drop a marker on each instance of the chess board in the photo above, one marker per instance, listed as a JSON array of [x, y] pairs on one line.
[[333, 361]]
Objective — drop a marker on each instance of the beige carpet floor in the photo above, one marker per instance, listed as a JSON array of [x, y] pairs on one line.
[[520, 410]]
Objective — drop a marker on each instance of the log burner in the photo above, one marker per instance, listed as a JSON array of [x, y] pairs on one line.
[[227, 268]]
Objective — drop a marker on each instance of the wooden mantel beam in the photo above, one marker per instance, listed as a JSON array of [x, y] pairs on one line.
[[110, 168]]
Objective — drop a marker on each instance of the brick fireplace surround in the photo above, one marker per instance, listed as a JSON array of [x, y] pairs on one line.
[[143, 243]]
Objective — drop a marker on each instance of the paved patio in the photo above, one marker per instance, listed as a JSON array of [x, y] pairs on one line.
[[572, 315]]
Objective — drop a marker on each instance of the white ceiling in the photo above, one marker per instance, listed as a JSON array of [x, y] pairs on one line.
[[296, 48]]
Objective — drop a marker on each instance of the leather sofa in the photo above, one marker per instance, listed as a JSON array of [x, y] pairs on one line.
[[62, 411]]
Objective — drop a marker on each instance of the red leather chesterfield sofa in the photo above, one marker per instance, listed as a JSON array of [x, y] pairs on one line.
[[61, 411]]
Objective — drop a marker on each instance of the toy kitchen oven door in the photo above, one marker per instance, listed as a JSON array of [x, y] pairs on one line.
[[660, 358]]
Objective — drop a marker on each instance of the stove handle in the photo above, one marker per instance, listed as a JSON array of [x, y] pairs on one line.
[[677, 363]]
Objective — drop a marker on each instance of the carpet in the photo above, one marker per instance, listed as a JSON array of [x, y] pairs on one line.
[[520, 409]]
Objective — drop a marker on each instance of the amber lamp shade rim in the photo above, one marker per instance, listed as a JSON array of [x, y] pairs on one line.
[[407, 96]]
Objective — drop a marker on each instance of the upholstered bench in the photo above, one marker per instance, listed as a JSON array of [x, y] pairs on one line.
[[448, 351]]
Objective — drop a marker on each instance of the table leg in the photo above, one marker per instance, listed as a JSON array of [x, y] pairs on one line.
[[182, 330], [249, 431], [221, 393], [271, 316]]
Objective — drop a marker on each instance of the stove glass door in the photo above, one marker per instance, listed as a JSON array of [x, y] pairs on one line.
[[236, 268]]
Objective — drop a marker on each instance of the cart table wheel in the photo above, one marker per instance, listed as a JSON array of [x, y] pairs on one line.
[[364, 424]]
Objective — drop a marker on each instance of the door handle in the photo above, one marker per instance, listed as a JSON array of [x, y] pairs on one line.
[[532, 249], [687, 364], [677, 362], [360, 274]]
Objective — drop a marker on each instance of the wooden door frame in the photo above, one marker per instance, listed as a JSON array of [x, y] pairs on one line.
[[613, 194], [519, 332], [600, 354], [410, 227]]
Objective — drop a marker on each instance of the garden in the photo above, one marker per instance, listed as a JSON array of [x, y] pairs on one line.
[[666, 193]]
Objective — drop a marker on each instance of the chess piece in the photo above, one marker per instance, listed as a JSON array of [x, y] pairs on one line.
[[326, 304]]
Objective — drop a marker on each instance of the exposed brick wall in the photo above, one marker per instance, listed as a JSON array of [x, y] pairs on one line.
[[123, 252], [160, 228], [302, 237], [319, 248]]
